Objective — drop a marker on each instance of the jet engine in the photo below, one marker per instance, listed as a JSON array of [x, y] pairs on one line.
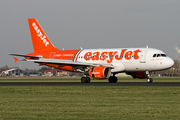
[[100, 72]]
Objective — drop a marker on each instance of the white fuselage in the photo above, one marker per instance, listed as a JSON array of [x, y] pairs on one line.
[[127, 59]]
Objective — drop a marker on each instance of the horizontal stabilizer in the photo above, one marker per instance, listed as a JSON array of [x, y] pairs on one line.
[[36, 57], [15, 59]]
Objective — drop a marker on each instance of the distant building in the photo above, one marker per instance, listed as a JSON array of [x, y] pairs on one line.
[[48, 73], [62, 73], [34, 74], [13, 72], [18, 72]]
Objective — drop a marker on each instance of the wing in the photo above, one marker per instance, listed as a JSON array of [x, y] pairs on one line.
[[68, 62], [40, 60]]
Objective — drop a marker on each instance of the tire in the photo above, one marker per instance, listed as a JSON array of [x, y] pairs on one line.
[[115, 79], [112, 79], [88, 79], [83, 80], [149, 80]]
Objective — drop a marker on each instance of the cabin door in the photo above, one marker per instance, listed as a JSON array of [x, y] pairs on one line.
[[143, 56]]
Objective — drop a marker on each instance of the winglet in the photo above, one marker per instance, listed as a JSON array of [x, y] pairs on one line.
[[15, 59]]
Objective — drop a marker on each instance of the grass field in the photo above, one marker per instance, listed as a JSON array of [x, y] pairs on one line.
[[90, 102]]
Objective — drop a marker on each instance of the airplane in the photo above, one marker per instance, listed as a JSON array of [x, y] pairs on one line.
[[95, 63]]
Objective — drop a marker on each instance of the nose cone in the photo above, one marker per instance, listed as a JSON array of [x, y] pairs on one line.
[[169, 62]]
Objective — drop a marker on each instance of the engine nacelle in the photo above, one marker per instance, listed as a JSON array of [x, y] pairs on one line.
[[140, 75], [101, 72]]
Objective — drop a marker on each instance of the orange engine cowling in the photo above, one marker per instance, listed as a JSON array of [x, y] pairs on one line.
[[140, 75], [101, 72]]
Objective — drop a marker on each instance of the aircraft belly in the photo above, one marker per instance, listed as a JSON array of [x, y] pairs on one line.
[[135, 66]]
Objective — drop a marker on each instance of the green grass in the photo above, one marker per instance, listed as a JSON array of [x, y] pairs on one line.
[[89, 102]]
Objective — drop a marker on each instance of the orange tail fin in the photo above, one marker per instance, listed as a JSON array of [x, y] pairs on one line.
[[40, 41]]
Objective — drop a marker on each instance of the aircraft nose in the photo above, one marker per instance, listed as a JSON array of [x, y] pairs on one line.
[[169, 62]]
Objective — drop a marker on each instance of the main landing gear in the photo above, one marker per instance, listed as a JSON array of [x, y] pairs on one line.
[[113, 79], [85, 79]]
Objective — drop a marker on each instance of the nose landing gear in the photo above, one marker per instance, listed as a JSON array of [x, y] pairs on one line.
[[149, 80]]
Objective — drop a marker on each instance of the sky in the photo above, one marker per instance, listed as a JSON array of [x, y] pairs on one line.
[[71, 24]]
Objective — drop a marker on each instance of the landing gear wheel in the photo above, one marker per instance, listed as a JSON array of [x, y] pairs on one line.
[[85, 80], [112, 79], [149, 80], [88, 79]]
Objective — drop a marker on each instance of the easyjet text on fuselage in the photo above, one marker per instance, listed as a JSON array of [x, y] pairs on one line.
[[96, 56]]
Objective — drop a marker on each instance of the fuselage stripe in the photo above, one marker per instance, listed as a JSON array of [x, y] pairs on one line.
[[76, 56]]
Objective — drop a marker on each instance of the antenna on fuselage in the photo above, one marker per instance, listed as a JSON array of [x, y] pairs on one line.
[[147, 46]]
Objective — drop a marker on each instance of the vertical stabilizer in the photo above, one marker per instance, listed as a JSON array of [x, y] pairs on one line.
[[40, 41]]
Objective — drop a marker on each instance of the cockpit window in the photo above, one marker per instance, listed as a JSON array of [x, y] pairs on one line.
[[163, 55], [159, 55]]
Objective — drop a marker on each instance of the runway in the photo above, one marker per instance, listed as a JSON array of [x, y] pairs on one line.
[[89, 84]]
